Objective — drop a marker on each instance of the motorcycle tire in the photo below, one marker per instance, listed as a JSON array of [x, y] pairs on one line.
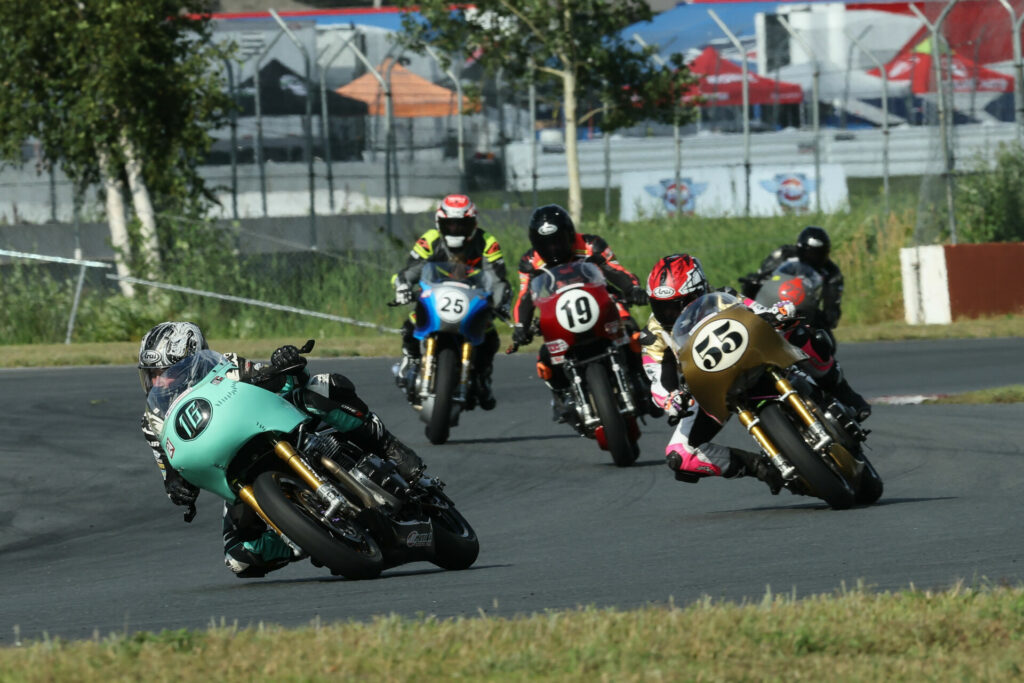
[[868, 487], [445, 382], [819, 477], [616, 432], [345, 548], [455, 542]]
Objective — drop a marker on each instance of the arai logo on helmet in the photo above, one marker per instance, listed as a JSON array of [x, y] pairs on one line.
[[663, 292], [547, 229], [150, 357]]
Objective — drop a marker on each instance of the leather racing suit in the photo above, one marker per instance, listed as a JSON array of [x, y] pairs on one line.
[[250, 549]]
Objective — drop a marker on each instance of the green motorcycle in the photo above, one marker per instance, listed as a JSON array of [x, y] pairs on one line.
[[348, 510]]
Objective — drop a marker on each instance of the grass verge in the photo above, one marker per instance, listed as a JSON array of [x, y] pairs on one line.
[[957, 634], [1009, 394]]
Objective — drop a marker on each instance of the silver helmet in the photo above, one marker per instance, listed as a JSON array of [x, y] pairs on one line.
[[165, 345]]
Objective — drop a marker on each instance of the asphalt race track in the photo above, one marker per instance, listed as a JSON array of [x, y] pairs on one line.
[[89, 543]]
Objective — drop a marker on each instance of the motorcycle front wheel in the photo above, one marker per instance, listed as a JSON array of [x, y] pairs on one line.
[[455, 543], [445, 381], [616, 433], [819, 477], [339, 544]]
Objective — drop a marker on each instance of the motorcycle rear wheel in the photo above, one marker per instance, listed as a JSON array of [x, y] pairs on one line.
[[342, 546], [822, 481], [445, 381], [455, 542], [624, 451]]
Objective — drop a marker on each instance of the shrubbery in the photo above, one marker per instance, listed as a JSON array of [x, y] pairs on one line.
[[990, 199]]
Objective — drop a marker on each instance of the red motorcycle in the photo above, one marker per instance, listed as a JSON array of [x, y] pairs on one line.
[[588, 341]]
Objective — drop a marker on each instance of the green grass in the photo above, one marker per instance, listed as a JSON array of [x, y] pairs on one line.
[[1008, 394], [957, 634]]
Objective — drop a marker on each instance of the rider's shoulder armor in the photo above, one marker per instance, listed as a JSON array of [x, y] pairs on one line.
[[425, 245]]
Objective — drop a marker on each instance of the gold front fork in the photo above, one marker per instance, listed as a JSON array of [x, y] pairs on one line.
[[753, 427], [467, 355], [325, 491], [790, 396], [429, 361]]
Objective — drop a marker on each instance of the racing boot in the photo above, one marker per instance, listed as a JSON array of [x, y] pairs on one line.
[[675, 463], [254, 559], [561, 406], [747, 464], [484, 394], [835, 383]]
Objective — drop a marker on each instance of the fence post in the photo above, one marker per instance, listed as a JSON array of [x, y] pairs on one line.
[[746, 108], [885, 116]]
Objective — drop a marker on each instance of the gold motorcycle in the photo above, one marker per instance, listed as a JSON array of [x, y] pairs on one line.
[[734, 361]]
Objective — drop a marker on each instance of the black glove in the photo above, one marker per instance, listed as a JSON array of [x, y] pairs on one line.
[[637, 297], [521, 335], [180, 491], [288, 358]]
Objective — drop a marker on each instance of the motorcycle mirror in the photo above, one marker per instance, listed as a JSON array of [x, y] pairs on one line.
[[308, 346]]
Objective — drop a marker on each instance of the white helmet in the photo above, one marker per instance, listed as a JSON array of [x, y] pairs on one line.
[[165, 345], [455, 219]]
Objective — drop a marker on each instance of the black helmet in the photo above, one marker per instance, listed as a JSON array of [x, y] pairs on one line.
[[552, 234], [165, 345], [813, 246]]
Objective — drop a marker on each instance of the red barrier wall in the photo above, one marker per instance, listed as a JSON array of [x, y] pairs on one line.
[[985, 279]]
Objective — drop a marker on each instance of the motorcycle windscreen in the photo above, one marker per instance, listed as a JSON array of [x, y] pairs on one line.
[[550, 280], [207, 427], [718, 351]]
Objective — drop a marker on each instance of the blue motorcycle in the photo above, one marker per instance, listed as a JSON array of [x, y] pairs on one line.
[[453, 313]]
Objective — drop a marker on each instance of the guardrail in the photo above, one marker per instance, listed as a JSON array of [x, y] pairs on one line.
[[78, 287]]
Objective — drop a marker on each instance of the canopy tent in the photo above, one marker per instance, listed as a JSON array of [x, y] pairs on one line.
[[411, 96], [283, 93], [916, 67], [721, 84]]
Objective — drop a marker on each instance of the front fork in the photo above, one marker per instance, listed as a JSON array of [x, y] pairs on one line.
[[788, 394], [429, 368]]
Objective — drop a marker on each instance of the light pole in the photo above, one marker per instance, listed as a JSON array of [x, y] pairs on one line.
[[746, 107], [676, 139], [815, 113], [885, 116]]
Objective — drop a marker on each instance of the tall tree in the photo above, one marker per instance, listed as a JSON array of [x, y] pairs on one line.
[[115, 91], [576, 44]]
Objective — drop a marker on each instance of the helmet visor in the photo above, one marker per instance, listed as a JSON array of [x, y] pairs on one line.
[[457, 227], [152, 377]]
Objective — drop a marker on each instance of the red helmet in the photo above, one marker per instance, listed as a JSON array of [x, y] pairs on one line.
[[674, 282], [455, 219]]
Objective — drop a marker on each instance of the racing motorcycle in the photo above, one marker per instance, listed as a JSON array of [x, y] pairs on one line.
[[734, 361], [584, 334], [453, 312], [795, 282], [348, 510]]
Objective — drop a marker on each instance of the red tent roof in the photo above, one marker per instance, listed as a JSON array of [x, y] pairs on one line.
[[721, 84], [917, 67]]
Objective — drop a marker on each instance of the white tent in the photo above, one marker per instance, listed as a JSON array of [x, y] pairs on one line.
[[834, 88]]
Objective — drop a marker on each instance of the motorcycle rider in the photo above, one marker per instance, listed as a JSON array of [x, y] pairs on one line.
[[454, 237], [812, 248], [250, 548], [554, 241], [676, 281]]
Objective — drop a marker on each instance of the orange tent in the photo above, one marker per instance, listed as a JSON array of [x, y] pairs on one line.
[[411, 95]]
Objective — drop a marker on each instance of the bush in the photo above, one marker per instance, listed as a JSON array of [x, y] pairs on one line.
[[990, 199]]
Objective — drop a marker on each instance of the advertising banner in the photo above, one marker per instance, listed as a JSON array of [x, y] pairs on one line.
[[719, 191], [702, 191]]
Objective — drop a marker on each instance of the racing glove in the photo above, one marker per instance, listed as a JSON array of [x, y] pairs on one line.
[[180, 491], [521, 335], [637, 297], [403, 293], [289, 359]]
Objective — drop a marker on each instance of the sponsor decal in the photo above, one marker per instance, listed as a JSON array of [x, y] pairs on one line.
[[217, 380], [417, 539], [192, 418], [682, 199], [663, 292], [169, 449], [793, 290], [792, 190], [150, 357], [547, 229], [557, 346]]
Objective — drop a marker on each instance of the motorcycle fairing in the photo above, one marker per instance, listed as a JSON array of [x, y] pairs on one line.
[[763, 346], [472, 325], [237, 413]]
